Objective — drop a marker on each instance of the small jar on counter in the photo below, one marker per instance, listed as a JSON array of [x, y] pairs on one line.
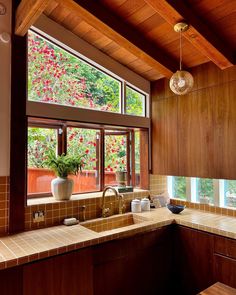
[[136, 206], [145, 204]]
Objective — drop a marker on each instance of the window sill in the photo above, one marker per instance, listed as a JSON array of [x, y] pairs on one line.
[[51, 200]]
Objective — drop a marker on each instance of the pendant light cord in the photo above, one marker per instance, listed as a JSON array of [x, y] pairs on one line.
[[180, 50]]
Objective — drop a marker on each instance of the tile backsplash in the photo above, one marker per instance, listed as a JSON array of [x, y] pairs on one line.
[[4, 204], [55, 212], [158, 184]]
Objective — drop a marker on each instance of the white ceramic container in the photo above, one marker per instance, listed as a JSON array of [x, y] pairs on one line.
[[136, 206], [145, 204]]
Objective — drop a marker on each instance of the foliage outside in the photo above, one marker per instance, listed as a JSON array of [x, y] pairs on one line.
[[80, 141], [58, 77]]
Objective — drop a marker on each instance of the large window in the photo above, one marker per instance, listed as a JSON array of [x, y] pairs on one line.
[[107, 123], [56, 76], [121, 149]]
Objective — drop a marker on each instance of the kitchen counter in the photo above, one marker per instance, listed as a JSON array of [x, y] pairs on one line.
[[219, 289], [38, 244]]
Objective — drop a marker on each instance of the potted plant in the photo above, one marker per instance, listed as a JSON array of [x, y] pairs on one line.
[[63, 165], [121, 173]]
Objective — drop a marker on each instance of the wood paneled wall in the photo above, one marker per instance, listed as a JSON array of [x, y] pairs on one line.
[[195, 134]]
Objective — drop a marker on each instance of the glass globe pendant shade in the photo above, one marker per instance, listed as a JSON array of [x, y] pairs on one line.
[[181, 82]]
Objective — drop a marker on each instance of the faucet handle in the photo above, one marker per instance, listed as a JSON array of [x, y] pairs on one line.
[[121, 204], [105, 212]]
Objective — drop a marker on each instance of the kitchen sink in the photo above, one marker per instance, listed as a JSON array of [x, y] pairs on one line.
[[113, 222]]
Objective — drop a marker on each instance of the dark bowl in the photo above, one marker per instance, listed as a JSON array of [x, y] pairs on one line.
[[176, 209]]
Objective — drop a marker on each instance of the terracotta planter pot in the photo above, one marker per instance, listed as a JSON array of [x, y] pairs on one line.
[[62, 188]]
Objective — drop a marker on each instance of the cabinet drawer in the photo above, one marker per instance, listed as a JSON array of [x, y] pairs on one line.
[[225, 246]]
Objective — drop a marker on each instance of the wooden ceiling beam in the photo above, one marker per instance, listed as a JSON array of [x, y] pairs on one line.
[[123, 34], [27, 13], [199, 34]]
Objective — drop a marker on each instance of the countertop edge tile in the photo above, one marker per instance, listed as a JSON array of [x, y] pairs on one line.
[[57, 240]]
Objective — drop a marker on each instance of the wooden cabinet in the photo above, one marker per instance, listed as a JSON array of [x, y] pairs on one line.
[[11, 281], [136, 265], [193, 260], [169, 260], [164, 136], [194, 134], [225, 261], [202, 259], [65, 274]]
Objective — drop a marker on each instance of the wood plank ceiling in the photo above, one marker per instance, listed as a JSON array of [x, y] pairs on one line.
[[140, 35]]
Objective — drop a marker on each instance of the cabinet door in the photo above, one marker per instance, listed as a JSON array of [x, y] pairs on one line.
[[225, 260], [193, 260], [225, 270], [164, 136], [65, 274], [195, 134], [138, 265], [11, 281]]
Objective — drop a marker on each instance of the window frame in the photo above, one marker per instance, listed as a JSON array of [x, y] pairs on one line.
[[219, 198], [123, 83], [104, 130], [21, 109]]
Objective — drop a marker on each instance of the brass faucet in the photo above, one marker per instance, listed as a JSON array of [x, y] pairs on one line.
[[106, 211]]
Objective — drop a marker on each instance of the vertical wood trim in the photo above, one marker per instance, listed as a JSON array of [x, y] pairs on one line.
[[133, 176], [128, 157], [18, 147], [98, 162], [144, 177], [102, 165]]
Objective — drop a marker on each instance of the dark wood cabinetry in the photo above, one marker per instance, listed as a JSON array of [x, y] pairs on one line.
[[169, 260], [202, 259], [65, 274], [225, 261], [11, 281], [137, 265], [193, 260]]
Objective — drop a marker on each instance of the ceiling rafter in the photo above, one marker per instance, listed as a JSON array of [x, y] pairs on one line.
[[27, 13], [123, 34], [198, 34]]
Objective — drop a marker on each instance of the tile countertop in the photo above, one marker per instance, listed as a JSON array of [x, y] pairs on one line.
[[38, 244]]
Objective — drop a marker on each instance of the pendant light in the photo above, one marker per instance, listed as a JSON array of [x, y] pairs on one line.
[[181, 81]]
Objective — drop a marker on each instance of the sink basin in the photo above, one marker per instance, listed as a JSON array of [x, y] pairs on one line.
[[113, 222]]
